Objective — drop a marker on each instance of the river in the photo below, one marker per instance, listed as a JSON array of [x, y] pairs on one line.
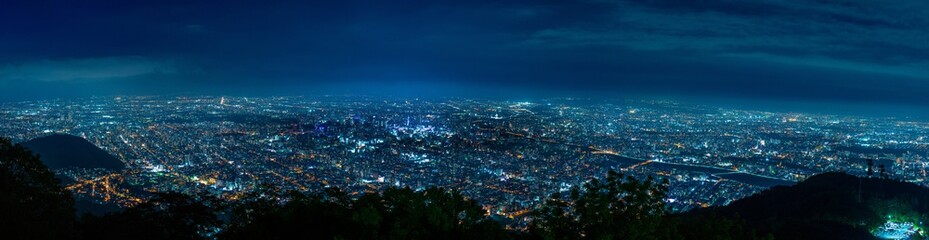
[[743, 177]]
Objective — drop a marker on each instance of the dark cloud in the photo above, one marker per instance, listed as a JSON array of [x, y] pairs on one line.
[[824, 50], [854, 31], [89, 69]]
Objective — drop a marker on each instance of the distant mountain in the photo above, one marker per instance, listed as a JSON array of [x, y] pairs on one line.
[[832, 206], [63, 151]]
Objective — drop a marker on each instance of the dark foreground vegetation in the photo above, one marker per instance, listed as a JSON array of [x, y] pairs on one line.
[[829, 206]]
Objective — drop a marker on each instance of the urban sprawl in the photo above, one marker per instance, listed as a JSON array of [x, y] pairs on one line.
[[507, 155]]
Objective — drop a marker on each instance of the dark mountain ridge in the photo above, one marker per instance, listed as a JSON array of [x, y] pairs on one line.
[[829, 206], [62, 151]]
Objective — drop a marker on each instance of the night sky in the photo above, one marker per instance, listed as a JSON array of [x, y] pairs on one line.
[[863, 53]]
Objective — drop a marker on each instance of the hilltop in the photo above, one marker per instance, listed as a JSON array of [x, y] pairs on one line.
[[63, 151], [831, 206]]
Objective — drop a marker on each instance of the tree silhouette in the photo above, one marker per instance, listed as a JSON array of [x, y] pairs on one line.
[[165, 216], [32, 203], [616, 208], [870, 167], [552, 220], [270, 215], [883, 172], [433, 213]]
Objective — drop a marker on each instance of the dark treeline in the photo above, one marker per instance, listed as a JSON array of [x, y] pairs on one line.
[[33, 205]]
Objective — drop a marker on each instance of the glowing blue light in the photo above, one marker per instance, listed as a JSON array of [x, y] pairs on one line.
[[895, 230]]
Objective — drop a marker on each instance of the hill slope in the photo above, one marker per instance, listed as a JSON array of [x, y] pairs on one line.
[[830, 206], [62, 151]]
